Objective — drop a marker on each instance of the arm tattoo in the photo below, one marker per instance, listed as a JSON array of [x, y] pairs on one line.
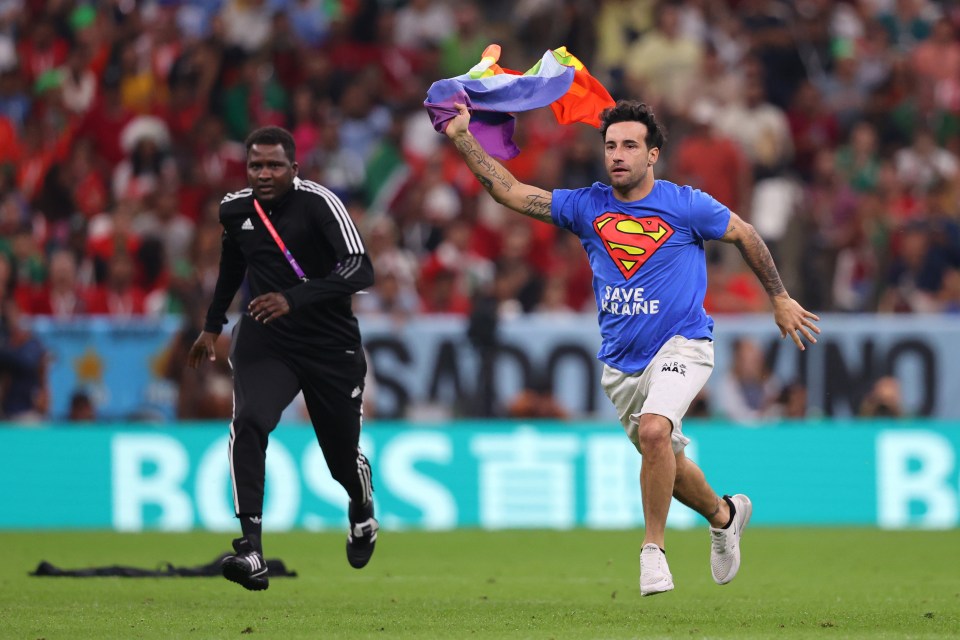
[[757, 256], [485, 181], [483, 165], [538, 207]]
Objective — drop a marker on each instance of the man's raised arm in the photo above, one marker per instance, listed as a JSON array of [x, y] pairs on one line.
[[505, 189]]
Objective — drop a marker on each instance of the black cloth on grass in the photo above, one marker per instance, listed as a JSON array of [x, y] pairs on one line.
[[276, 568]]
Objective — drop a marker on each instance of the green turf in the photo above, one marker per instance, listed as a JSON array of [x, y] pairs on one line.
[[794, 583]]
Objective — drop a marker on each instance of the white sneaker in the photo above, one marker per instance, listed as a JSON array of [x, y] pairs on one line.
[[654, 573], [725, 543]]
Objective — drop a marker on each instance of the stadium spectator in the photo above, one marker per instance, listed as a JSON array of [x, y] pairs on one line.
[[15, 102], [462, 49], [81, 408], [246, 24], [148, 161], [663, 63], [858, 161], [164, 222], [84, 174], [554, 297], [618, 23], [915, 274], [455, 255], [759, 127], [813, 128], [118, 296], [842, 92], [924, 163], [218, 162], [936, 61], [78, 83], [748, 391], [62, 296], [861, 259], [907, 23], [41, 50], [949, 295], [105, 120], [712, 162], [883, 400], [423, 23], [791, 404], [256, 98]]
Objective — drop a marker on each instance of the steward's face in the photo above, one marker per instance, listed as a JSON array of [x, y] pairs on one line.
[[269, 172]]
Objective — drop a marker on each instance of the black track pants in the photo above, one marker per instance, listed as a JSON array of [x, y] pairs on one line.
[[265, 381]]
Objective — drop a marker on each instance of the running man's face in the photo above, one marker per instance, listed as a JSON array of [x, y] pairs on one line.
[[626, 155], [269, 171]]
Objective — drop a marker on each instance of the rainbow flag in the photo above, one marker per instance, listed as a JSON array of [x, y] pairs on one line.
[[493, 94]]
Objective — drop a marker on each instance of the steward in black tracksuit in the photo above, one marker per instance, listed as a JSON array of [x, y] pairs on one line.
[[315, 347]]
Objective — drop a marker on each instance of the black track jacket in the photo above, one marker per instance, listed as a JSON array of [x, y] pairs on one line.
[[318, 231]]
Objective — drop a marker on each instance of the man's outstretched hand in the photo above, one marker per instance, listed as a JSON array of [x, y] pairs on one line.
[[794, 320]]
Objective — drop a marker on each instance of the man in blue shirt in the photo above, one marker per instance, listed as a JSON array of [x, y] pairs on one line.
[[645, 242]]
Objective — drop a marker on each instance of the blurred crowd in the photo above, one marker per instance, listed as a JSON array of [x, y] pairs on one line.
[[832, 126]]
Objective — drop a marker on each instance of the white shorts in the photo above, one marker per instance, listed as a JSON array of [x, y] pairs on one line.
[[666, 387]]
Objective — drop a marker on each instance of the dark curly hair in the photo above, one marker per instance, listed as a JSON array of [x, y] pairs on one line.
[[272, 136], [633, 111]]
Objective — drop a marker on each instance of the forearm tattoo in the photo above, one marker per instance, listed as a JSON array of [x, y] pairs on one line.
[[538, 207], [757, 256], [485, 181], [487, 170]]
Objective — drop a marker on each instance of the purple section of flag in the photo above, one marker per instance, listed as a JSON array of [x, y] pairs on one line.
[[493, 100], [492, 129]]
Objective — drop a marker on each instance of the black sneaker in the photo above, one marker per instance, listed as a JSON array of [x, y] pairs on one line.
[[362, 537], [247, 567]]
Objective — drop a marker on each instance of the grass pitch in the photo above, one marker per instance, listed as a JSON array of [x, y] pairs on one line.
[[794, 583]]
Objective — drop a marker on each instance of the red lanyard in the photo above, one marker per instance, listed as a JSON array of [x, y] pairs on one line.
[[279, 241]]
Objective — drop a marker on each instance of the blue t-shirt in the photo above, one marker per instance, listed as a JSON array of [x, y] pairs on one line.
[[649, 267]]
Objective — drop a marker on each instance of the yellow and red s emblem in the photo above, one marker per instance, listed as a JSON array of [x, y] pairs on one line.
[[631, 241]]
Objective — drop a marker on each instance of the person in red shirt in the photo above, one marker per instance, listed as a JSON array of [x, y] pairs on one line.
[[118, 297], [711, 162], [61, 296], [42, 51]]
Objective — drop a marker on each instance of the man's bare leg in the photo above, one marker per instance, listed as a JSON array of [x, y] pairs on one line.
[[658, 469], [691, 488]]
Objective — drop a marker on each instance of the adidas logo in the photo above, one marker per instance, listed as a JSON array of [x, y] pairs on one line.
[[255, 519], [355, 392], [247, 225]]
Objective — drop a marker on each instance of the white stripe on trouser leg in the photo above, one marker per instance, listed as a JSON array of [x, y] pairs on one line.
[[366, 482], [233, 475], [233, 436]]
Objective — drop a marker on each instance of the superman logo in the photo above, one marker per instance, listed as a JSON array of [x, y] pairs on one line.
[[631, 241]]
